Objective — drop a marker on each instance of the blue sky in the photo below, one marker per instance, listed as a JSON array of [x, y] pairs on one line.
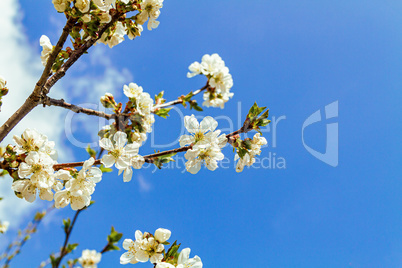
[[295, 57]]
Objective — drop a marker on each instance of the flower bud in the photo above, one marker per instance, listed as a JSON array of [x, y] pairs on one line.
[[108, 101], [14, 164], [162, 235]]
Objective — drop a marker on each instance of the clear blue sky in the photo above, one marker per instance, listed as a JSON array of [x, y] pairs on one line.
[[294, 57]]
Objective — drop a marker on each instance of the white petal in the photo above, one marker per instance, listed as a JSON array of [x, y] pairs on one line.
[[108, 160], [126, 257], [106, 144], [191, 124], [184, 256], [208, 123], [142, 256], [162, 235], [186, 139], [120, 138], [127, 243], [193, 169], [128, 174]]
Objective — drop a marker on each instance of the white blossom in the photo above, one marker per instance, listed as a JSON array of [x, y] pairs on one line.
[[47, 48], [150, 9], [104, 5], [145, 247], [208, 154], [198, 130], [132, 90], [40, 165], [144, 103], [249, 158], [116, 38], [132, 247], [90, 258], [184, 260], [137, 32], [4, 226], [207, 143], [219, 79], [83, 5], [222, 80], [28, 190], [119, 154], [246, 160], [30, 140], [61, 5], [78, 190], [136, 161]]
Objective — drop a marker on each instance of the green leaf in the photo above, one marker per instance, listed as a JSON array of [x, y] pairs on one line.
[[66, 224], [104, 169], [90, 151], [160, 97], [163, 112], [159, 161], [71, 247], [194, 105], [172, 251]]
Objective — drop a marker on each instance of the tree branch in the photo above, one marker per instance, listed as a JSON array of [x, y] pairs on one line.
[[33, 100], [77, 109], [179, 100], [44, 84], [63, 251], [150, 158]]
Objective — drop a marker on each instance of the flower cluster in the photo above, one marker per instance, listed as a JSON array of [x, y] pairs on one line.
[[78, 187], [246, 156], [4, 226], [123, 156], [148, 247], [97, 12], [219, 79], [150, 10], [139, 107], [90, 258], [143, 104], [145, 247], [206, 143], [36, 157]]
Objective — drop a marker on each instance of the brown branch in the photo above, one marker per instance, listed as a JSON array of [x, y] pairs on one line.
[[44, 84], [77, 109], [151, 157], [33, 100], [24, 236], [179, 100], [63, 251]]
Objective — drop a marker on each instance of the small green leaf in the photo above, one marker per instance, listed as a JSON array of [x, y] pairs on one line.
[[90, 151], [163, 112], [104, 169]]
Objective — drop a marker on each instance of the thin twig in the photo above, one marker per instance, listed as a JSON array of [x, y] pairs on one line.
[[63, 251], [77, 109], [31, 228], [179, 100], [150, 158]]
